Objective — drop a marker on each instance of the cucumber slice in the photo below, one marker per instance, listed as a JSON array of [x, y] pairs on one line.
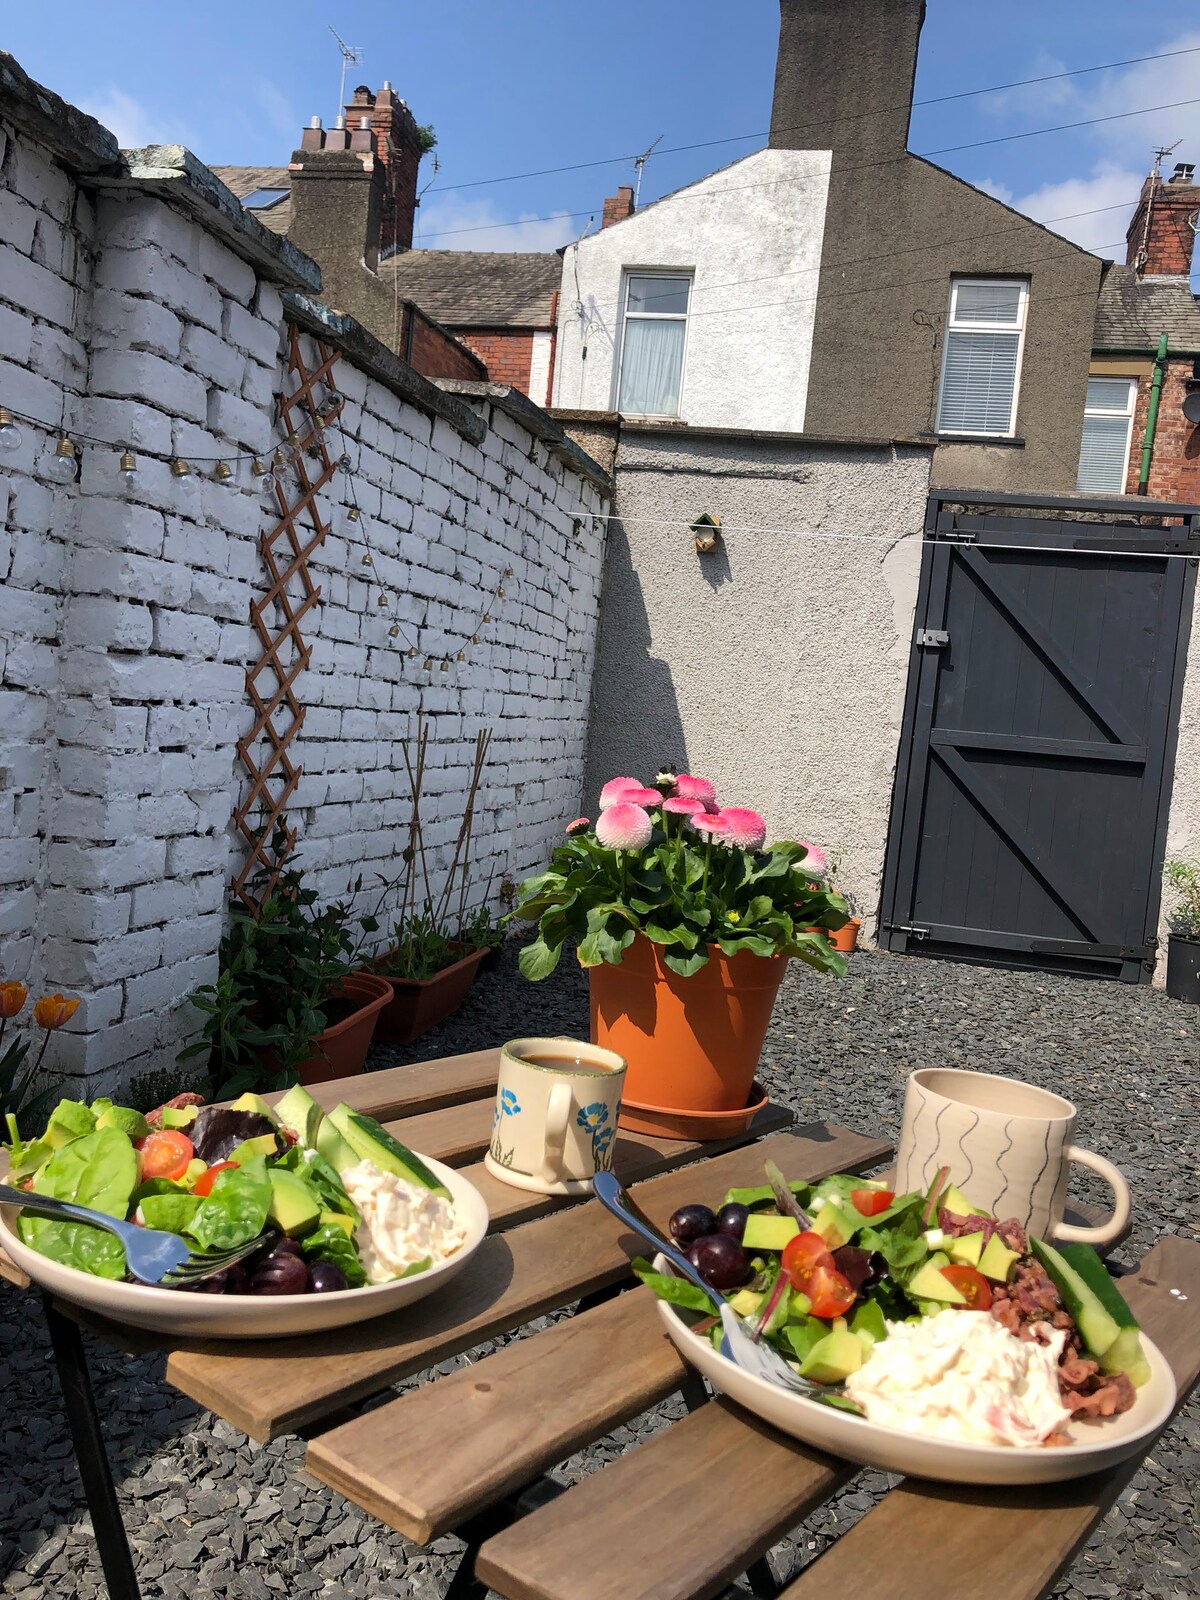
[[1125, 1354], [1098, 1328]]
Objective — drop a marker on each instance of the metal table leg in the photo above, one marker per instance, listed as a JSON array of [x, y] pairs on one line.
[[84, 1422]]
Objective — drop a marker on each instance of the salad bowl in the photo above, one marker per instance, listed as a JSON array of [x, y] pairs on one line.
[[241, 1316], [1093, 1447]]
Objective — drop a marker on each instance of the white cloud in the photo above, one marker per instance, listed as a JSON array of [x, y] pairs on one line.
[[127, 118], [1093, 210], [458, 224], [277, 109]]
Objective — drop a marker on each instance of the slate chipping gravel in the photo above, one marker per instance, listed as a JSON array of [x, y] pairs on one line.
[[211, 1514]]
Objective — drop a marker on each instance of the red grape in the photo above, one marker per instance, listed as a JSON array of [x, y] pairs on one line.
[[691, 1222]]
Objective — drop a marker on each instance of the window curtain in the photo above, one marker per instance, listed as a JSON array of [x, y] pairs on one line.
[[651, 367]]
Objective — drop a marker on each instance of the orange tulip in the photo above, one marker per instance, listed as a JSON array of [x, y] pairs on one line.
[[52, 1010], [12, 998]]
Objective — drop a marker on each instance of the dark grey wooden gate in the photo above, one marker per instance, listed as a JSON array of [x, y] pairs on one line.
[[1035, 766]]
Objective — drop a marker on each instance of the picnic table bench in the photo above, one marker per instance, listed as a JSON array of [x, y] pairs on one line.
[[675, 1518]]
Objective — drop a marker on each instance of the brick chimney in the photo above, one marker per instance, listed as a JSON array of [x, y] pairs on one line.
[[398, 144], [844, 76], [618, 206], [337, 197], [1162, 235]]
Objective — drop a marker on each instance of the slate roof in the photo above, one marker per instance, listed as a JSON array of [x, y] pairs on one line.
[[478, 289], [1132, 312], [244, 180]]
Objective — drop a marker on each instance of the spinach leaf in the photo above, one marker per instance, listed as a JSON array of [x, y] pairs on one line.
[[98, 1170], [174, 1213], [236, 1208], [332, 1243], [677, 1290], [763, 1194], [901, 1246]]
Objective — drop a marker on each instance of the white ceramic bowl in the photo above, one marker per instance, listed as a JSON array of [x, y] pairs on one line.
[[1094, 1446], [246, 1316]]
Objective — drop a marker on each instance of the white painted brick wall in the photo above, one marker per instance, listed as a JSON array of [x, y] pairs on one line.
[[124, 618]]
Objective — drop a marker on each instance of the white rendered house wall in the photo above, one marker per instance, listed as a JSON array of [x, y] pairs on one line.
[[749, 237]]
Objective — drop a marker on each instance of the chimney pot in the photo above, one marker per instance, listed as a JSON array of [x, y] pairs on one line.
[[387, 84], [314, 122], [364, 122], [1184, 172], [340, 122], [618, 206]]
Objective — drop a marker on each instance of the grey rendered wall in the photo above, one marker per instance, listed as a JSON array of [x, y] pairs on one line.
[[775, 666]]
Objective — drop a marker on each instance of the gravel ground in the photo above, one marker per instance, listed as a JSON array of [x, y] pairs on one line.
[[212, 1515]]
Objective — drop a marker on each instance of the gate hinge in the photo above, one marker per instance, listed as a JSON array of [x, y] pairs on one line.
[[910, 928], [932, 638]]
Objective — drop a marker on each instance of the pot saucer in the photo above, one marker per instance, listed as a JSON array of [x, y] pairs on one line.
[[665, 1122]]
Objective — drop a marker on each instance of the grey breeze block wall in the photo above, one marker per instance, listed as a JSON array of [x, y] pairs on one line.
[[776, 665], [124, 616]]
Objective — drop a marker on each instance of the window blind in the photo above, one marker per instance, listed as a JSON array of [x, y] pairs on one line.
[[978, 382]]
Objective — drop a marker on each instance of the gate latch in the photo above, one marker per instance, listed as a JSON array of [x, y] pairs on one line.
[[932, 638], [910, 929]]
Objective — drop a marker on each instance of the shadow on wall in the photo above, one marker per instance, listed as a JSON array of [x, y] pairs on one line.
[[634, 725]]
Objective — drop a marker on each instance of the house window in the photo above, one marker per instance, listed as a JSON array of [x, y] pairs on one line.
[[652, 344], [1107, 426], [264, 199], [981, 359]]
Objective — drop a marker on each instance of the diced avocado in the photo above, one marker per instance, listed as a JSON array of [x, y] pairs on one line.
[[262, 1144], [868, 1322], [300, 1114], [764, 1232], [955, 1201], [294, 1209], [70, 1119], [833, 1358], [131, 1123], [745, 1302], [799, 1306], [938, 1258], [179, 1116], [997, 1259], [334, 1148], [967, 1248], [253, 1102], [370, 1142], [834, 1226], [931, 1284], [337, 1219], [1106, 1325]]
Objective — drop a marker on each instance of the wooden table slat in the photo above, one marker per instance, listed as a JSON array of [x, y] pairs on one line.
[[1009, 1542], [426, 1462], [410, 1090], [273, 1387]]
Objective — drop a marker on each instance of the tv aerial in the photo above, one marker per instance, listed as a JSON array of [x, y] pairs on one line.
[[351, 56]]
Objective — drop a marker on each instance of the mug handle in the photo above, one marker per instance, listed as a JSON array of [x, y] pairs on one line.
[[558, 1115], [1108, 1232]]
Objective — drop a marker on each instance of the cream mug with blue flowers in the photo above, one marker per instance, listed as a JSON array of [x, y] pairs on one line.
[[555, 1121]]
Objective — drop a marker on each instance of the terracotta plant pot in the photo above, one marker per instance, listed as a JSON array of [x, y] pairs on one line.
[[341, 1049], [692, 1044], [418, 1004], [846, 939]]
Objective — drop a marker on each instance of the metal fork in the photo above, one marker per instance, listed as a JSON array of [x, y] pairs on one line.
[[737, 1346], [152, 1256]]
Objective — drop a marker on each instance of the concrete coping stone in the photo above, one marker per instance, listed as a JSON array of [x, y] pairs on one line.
[[79, 141], [536, 421]]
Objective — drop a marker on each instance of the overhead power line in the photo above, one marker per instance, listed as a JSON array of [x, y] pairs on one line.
[[740, 138], [886, 161]]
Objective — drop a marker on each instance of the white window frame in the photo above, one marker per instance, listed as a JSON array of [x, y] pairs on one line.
[[1134, 387], [1018, 328], [627, 274]]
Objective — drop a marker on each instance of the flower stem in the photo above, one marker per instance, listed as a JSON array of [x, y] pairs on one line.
[[707, 858]]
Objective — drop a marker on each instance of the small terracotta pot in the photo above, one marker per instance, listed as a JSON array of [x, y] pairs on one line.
[[692, 1044], [341, 1050], [845, 939], [418, 1004]]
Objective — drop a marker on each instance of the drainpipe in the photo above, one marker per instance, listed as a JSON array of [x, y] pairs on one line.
[[1160, 365]]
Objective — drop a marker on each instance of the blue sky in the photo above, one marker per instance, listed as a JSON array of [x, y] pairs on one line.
[[514, 85]]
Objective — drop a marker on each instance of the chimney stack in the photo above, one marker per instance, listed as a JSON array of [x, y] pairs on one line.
[[844, 76], [618, 206], [1162, 234], [398, 145]]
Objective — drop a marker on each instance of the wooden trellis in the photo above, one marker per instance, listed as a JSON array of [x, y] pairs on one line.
[[313, 402]]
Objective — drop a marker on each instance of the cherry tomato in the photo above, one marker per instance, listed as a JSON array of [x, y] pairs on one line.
[[164, 1154], [204, 1183], [830, 1292], [870, 1202], [801, 1255], [972, 1285]]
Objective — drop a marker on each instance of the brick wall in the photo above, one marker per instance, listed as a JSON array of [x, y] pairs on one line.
[[1175, 467], [435, 353], [124, 633], [508, 355]]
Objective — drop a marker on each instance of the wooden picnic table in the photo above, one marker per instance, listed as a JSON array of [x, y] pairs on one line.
[[683, 1513]]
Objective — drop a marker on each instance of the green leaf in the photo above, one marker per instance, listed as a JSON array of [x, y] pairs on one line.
[[332, 1243], [538, 960], [173, 1213], [98, 1170], [686, 965], [677, 1290], [235, 1210]]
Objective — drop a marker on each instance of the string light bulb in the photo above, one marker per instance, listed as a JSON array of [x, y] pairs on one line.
[[393, 630], [127, 471], [353, 514], [508, 572], [223, 474], [445, 666], [63, 464], [366, 560], [428, 663], [500, 592], [461, 656], [474, 638], [487, 616], [10, 434], [413, 652], [280, 458], [263, 475], [382, 601], [344, 462], [180, 468]]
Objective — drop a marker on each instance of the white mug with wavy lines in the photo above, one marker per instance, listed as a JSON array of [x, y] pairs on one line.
[[1008, 1147]]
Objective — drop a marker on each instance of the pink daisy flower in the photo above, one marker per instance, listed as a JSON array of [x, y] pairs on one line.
[[743, 828], [623, 826], [615, 790], [711, 824], [814, 860], [684, 808], [689, 788], [650, 798], [578, 826]]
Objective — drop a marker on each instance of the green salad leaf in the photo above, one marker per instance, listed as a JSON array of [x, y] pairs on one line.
[[98, 1170], [322, 1178], [173, 1213], [332, 1243], [762, 1194], [677, 1290], [235, 1211]]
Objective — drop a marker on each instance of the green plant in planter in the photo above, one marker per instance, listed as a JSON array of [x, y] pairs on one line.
[[665, 862], [1184, 878]]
